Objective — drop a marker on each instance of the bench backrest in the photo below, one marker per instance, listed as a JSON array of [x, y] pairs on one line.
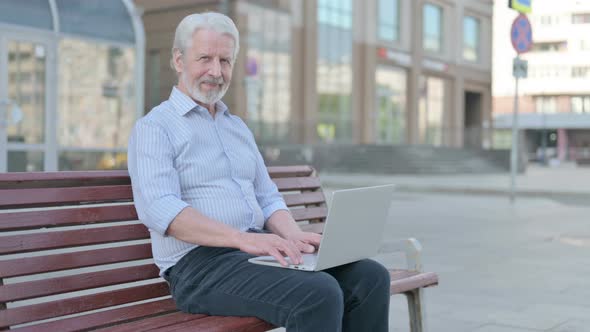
[[70, 243]]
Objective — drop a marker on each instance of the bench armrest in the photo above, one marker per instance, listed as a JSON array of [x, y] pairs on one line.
[[412, 249]]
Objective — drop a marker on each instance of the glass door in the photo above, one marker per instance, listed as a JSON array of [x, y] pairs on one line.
[[27, 127]]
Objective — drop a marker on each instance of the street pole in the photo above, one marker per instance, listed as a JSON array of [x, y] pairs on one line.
[[514, 149]]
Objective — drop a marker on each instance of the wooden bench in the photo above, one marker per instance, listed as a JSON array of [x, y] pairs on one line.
[[73, 256]]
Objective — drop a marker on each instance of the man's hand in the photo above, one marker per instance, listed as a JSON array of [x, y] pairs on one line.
[[270, 244], [306, 242]]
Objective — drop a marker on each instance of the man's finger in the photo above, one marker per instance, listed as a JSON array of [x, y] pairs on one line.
[[292, 251], [305, 247], [314, 238], [277, 255]]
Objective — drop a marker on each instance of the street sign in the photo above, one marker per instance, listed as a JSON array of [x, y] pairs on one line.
[[521, 34], [522, 6], [520, 68]]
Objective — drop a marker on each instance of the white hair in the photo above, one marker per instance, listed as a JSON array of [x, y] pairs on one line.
[[217, 22]]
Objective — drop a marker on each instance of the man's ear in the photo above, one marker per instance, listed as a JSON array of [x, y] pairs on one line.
[[177, 60]]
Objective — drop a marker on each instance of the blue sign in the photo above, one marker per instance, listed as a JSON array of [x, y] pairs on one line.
[[521, 34]]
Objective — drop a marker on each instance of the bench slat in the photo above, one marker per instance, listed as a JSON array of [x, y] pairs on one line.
[[289, 171], [310, 213], [304, 199], [21, 180], [303, 183], [86, 178], [317, 227], [106, 318], [220, 324], [54, 240], [404, 280], [155, 323], [57, 262], [72, 283], [66, 217], [61, 196], [35, 312]]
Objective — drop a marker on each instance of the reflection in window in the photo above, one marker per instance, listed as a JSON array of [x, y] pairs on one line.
[[388, 24], [390, 117], [471, 33], [87, 18], [580, 104], [26, 92], [432, 28], [334, 76], [32, 13], [96, 103], [431, 110], [268, 74], [94, 160], [25, 161]]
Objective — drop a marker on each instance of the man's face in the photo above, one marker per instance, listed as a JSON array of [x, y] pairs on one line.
[[206, 66]]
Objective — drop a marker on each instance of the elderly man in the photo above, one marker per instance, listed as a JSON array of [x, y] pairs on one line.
[[202, 189]]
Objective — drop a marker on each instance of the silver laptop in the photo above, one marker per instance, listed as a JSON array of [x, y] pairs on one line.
[[353, 230]]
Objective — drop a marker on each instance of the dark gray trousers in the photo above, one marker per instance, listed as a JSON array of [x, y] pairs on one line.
[[221, 281]]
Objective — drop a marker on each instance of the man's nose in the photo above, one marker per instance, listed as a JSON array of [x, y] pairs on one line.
[[215, 68]]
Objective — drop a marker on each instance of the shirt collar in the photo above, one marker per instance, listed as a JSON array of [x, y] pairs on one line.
[[183, 104]]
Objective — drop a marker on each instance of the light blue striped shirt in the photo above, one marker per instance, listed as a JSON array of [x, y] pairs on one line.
[[179, 156]]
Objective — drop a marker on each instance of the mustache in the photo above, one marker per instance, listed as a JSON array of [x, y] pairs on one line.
[[212, 80]]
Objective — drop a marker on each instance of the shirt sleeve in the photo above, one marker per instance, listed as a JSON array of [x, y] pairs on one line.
[[155, 181]]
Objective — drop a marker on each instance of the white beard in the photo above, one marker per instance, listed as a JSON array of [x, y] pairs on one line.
[[209, 98]]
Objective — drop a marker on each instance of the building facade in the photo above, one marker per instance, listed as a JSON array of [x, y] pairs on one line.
[[554, 100], [346, 71]]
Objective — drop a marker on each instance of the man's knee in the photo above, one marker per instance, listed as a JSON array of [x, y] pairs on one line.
[[323, 293], [373, 277]]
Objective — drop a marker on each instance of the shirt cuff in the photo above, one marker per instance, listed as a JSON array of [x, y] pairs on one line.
[[269, 210], [163, 211]]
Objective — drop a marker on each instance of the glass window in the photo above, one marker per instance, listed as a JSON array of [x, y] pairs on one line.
[[334, 75], [431, 110], [91, 160], [432, 28], [390, 116], [101, 19], [96, 104], [26, 91], [580, 104], [546, 105], [25, 161], [31, 13], [560, 46], [268, 74], [388, 24], [153, 81], [581, 71], [471, 33], [582, 18]]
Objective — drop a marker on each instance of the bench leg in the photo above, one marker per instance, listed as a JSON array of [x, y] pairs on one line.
[[415, 308]]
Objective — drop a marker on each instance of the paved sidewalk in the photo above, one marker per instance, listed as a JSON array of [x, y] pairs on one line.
[[503, 267]]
